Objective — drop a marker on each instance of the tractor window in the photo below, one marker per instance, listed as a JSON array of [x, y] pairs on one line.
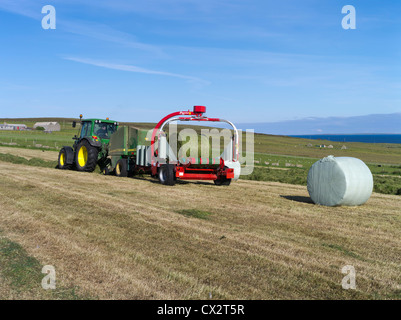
[[104, 130], [86, 129]]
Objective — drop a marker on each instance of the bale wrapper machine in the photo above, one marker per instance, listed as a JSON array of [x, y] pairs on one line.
[[126, 150], [168, 168]]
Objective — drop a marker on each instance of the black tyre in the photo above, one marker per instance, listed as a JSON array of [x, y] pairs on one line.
[[167, 174], [65, 158], [222, 181], [86, 156], [107, 171], [121, 168]]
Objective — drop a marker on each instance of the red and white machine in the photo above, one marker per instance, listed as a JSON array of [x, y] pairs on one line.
[[222, 170]]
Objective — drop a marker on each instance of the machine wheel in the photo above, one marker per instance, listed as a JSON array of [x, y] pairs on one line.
[[121, 168], [62, 159], [107, 171], [167, 174], [222, 182], [86, 156]]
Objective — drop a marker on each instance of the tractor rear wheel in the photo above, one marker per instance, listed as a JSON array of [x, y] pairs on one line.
[[86, 156], [167, 174], [121, 168], [62, 159]]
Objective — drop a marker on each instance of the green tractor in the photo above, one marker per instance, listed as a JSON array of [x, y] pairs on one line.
[[90, 146]]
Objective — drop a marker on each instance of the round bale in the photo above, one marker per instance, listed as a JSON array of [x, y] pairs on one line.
[[342, 181]]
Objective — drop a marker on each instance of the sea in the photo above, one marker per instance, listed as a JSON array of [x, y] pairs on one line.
[[368, 138]]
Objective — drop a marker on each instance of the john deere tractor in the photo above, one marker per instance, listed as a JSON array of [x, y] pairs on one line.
[[90, 147]]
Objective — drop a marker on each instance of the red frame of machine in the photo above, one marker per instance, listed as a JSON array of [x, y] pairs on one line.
[[186, 171]]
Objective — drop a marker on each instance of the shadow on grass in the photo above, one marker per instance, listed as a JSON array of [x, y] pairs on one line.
[[156, 180], [23, 273], [298, 199], [195, 213]]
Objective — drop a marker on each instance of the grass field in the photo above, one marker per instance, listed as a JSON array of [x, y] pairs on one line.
[[125, 238], [277, 158], [132, 238]]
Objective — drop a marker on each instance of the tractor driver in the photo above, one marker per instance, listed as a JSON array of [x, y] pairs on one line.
[[102, 131]]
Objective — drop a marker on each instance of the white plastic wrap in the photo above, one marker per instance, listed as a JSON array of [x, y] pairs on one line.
[[340, 181]]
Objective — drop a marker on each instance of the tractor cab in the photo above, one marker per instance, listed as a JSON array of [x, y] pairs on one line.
[[97, 130]]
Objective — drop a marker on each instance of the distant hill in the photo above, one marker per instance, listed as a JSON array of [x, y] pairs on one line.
[[368, 124], [373, 123]]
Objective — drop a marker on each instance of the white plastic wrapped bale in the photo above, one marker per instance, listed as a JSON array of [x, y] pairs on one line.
[[341, 181]]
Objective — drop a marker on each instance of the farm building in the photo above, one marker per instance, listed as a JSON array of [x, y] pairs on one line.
[[11, 126], [49, 126]]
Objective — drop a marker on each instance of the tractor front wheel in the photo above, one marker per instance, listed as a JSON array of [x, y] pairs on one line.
[[86, 156]]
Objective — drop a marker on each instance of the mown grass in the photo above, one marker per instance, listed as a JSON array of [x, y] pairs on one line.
[[384, 182], [36, 162], [22, 270], [294, 170], [22, 274], [261, 242], [387, 185], [381, 184], [195, 213], [292, 176], [343, 250]]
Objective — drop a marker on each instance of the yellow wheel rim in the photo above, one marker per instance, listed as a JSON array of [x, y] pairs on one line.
[[82, 156], [118, 169], [62, 159]]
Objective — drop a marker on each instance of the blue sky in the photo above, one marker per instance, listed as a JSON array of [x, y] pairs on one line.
[[247, 61]]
